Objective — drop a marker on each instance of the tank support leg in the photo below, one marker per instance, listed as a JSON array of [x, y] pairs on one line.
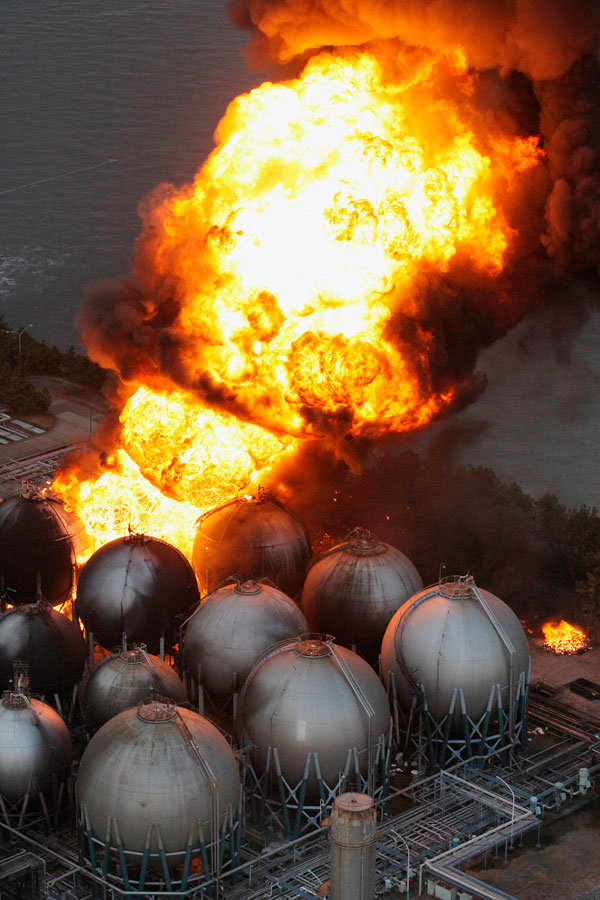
[[205, 865], [163, 859], [4, 810], [302, 796], [121, 854], [284, 809], [466, 726], [186, 862], [24, 806], [145, 858], [106, 855], [486, 722]]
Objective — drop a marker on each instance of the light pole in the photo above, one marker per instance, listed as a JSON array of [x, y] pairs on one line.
[[20, 333], [512, 815], [400, 838]]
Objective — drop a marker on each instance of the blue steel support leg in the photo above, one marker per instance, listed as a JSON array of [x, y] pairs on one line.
[[188, 857], [284, 809], [465, 721], [430, 750], [265, 788], [121, 855], [145, 858], [447, 726], [320, 786], [302, 795], [163, 859], [486, 724], [106, 856], [92, 851], [205, 864]]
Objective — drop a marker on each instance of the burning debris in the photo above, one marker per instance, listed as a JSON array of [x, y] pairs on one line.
[[564, 638], [359, 233]]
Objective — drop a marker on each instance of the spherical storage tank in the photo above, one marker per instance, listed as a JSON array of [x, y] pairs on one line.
[[124, 680], [354, 589], [308, 695], [35, 747], [451, 636], [48, 642], [253, 537], [39, 537], [231, 629], [135, 585], [158, 765]]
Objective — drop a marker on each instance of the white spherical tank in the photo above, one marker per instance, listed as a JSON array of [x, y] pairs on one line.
[[252, 537], [158, 765], [308, 695], [454, 635], [35, 747], [231, 629], [124, 680], [354, 589]]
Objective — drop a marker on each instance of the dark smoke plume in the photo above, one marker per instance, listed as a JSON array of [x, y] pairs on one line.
[[542, 38], [535, 72]]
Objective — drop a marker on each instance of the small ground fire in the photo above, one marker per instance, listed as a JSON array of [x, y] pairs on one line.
[[564, 638]]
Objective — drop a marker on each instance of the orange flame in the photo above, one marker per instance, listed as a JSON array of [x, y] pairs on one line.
[[301, 239], [564, 638]]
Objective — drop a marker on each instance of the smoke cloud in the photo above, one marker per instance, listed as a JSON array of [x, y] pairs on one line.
[[534, 72], [541, 38]]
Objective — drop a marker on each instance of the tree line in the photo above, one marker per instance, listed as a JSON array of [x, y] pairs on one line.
[[22, 355], [538, 555]]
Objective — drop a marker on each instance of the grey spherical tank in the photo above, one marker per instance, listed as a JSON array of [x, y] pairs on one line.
[[48, 642], [39, 540], [355, 588], [231, 629], [252, 537], [309, 695], [35, 747], [135, 585], [159, 765], [450, 636], [123, 680]]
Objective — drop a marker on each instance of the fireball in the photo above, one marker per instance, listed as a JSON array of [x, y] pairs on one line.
[[295, 264]]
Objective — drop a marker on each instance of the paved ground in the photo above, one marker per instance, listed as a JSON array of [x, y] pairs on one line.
[[558, 670], [565, 867], [73, 415]]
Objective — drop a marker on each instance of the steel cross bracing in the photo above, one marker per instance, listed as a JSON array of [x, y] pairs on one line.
[[453, 816], [447, 808], [37, 469]]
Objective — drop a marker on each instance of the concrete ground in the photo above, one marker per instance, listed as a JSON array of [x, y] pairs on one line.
[[565, 867], [73, 415], [558, 670]]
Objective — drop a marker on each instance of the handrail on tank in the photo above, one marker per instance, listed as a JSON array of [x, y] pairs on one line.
[[512, 653], [208, 773], [356, 534], [467, 583], [368, 709]]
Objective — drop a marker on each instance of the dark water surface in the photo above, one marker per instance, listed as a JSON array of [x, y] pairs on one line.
[[141, 83], [102, 101]]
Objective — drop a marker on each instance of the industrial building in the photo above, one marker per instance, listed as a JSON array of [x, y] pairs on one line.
[[154, 744]]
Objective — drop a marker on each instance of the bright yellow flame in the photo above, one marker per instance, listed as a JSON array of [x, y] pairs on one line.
[[298, 246], [564, 638], [193, 453]]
